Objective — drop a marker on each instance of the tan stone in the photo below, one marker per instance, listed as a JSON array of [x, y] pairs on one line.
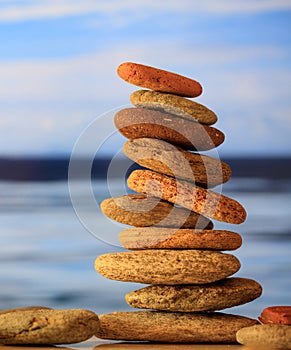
[[171, 238], [161, 266], [192, 298], [165, 158], [268, 336], [172, 327], [173, 104], [47, 326]]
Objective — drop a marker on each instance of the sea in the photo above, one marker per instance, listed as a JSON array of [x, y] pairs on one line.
[[49, 242]]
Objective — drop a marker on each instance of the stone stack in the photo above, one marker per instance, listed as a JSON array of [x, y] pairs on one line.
[[174, 249]]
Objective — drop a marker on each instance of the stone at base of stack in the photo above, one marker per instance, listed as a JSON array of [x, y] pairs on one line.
[[172, 327], [173, 246]]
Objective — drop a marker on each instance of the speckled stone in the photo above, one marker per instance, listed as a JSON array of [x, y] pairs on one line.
[[192, 298], [158, 79], [47, 326], [187, 195], [168, 159], [173, 104], [172, 267]]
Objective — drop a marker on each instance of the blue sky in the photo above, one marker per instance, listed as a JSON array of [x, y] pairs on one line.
[[58, 61]]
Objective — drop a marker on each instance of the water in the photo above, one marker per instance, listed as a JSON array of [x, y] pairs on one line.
[[47, 255]]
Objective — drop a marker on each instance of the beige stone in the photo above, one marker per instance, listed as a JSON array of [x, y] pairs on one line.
[[268, 336], [162, 266], [165, 158], [172, 327], [47, 326], [173, 104]]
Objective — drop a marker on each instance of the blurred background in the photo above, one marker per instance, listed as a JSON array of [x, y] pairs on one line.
[[58, 63]]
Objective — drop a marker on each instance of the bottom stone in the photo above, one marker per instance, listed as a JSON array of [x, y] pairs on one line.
[[172, 327]]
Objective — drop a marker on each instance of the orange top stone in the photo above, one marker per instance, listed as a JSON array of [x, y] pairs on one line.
[[158, 79]]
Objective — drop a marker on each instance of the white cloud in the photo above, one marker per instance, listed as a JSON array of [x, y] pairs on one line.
[[46, 104], [243, 6], [61, 79], [39, 9], [88, 76]]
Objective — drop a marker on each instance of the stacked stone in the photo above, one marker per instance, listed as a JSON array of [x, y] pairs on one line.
[[174, 248]]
